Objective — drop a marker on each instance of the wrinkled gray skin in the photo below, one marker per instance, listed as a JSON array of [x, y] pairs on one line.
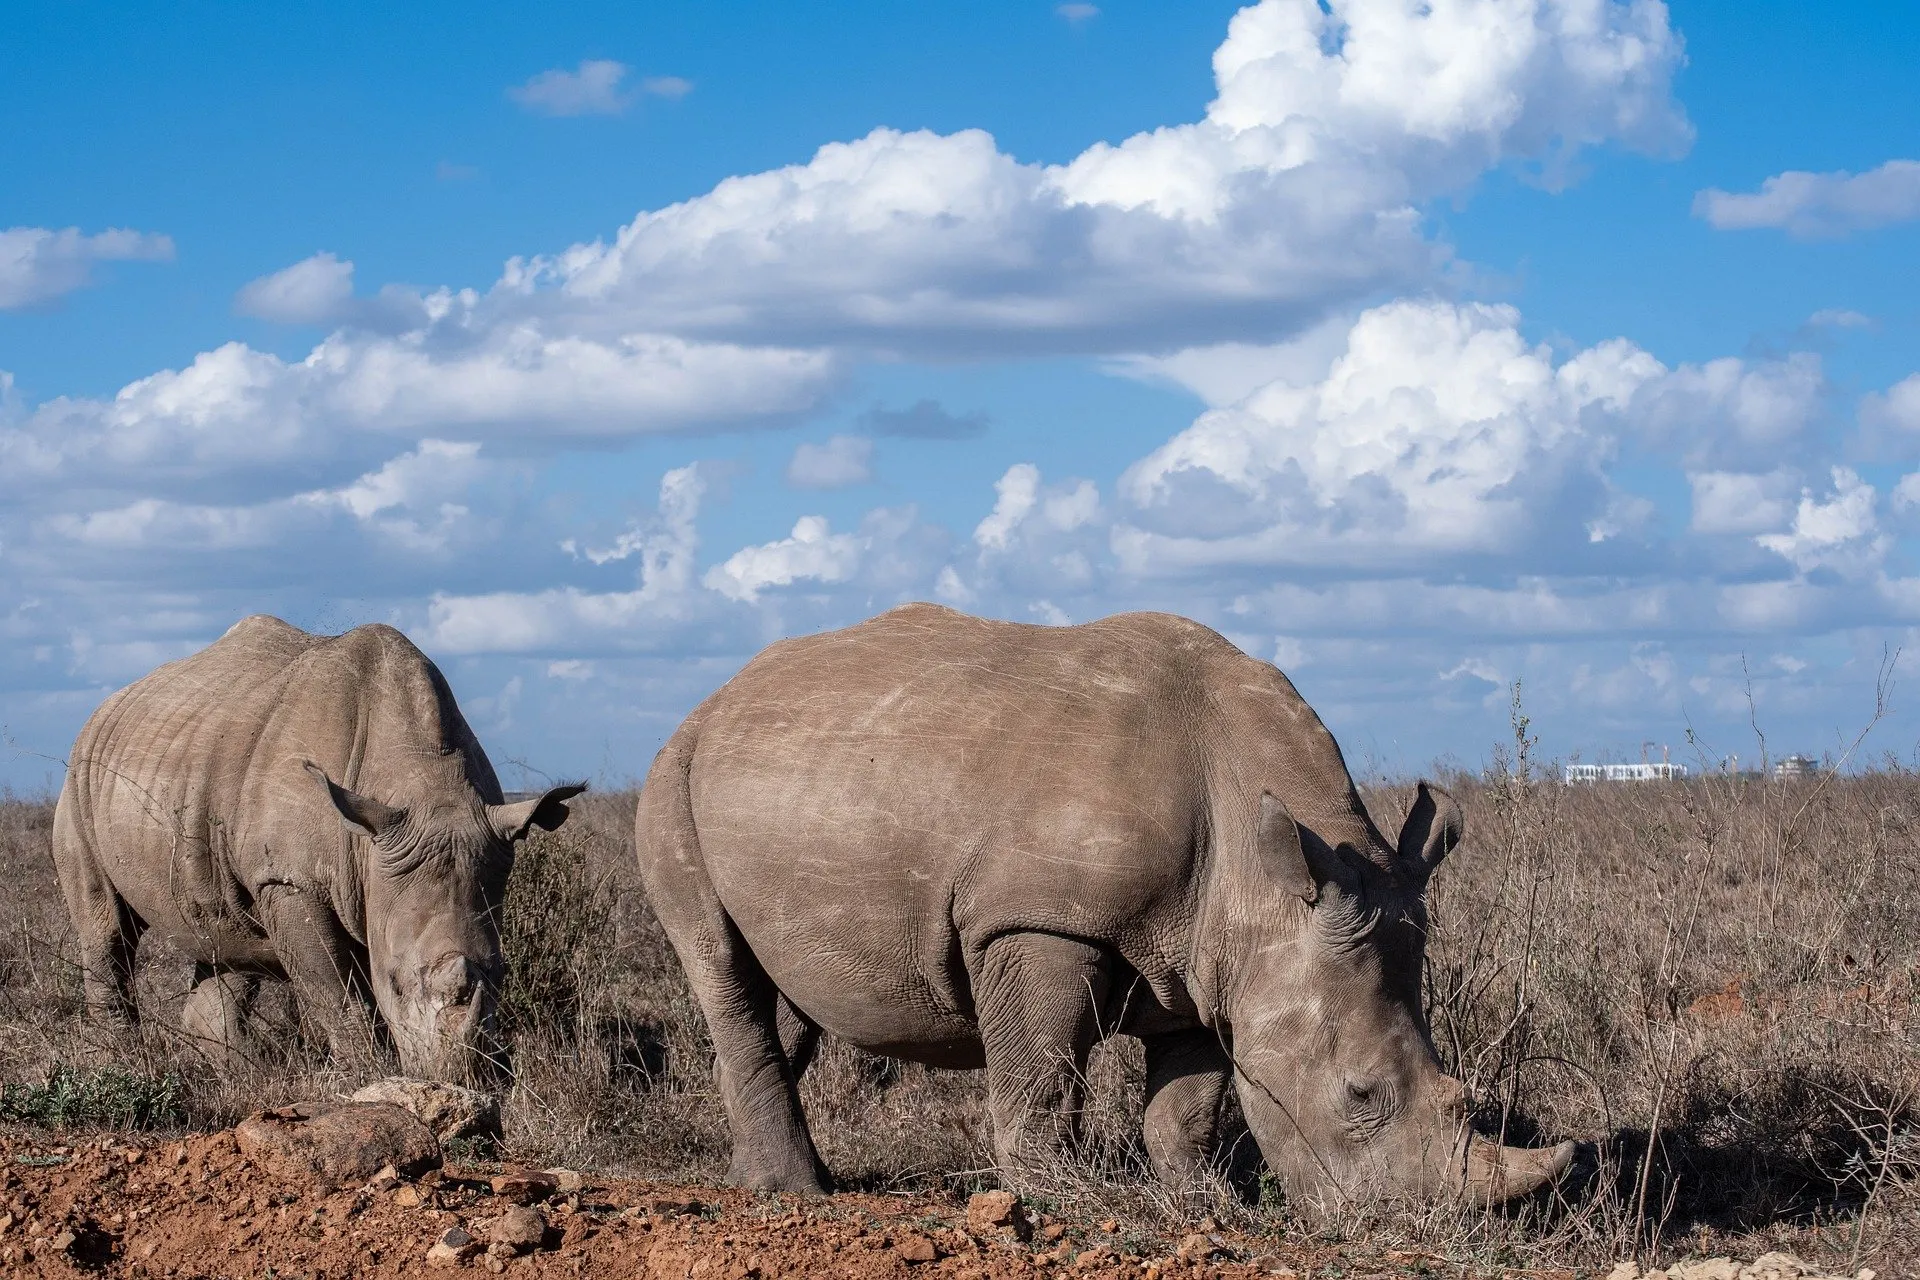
[[974, 843], [304, 807]]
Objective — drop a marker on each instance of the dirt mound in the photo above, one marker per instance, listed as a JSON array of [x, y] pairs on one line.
[[202, 1208]]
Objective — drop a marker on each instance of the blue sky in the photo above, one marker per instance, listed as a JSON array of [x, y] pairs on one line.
[[1417, 348]]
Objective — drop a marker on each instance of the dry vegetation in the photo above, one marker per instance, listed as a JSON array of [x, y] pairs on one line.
[[1716, 983]]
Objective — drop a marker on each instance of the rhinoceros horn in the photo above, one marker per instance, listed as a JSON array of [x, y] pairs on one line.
[[1497, 1174]]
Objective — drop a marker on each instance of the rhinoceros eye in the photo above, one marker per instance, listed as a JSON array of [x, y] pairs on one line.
[[1365, 1102]]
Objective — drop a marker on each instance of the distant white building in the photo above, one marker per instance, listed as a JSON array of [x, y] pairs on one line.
[[1645, 771], [1796, 767]]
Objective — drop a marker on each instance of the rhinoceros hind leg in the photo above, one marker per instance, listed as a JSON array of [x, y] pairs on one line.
[[799, 1037], [1039, 998], [760, 1045], [109, 929], [1187, 1077]]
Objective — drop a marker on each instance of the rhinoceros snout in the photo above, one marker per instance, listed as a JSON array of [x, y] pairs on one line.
[[455, 980]]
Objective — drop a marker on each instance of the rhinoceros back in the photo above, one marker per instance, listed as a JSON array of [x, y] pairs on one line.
[[187, 788], [872, 805]]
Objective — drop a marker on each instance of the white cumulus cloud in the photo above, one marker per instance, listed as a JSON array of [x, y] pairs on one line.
[[835, 463], [314, 290], [1297, 192], [38, 265], [591, 89], [1818, 205], [812, 552]]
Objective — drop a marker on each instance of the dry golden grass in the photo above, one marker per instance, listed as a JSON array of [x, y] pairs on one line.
[[1716, 984]]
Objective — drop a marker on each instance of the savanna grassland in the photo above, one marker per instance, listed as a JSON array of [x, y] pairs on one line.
[[1715, 984]]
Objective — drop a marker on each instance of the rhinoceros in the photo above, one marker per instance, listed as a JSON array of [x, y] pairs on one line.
[[303, 807], [973, 843]]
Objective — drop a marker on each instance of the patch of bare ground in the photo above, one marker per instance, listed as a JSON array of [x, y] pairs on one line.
[[1715, 985]]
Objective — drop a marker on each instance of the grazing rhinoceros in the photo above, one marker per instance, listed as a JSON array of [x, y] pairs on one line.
[[972, 843], [304, 807]]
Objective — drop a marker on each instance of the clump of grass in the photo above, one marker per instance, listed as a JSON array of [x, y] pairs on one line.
[[555, 929], [103, 1097]]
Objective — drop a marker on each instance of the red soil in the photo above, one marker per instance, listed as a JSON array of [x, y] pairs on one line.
[[198, 1208]]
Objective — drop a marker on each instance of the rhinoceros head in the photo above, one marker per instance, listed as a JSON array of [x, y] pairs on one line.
[[433, 884], [1334, 1060]]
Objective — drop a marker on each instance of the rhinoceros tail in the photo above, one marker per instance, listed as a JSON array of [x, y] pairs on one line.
[[663, 831]]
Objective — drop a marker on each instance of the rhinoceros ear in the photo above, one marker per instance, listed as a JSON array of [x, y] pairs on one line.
[[547, 812], [1293, 859], [356, 811], [1433, 827]]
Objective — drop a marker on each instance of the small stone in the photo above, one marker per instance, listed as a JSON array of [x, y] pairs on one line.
[[407, 1197], [1624, 1271], [1052, 1232], [6, 1223], [135, 1155], [523, 1186], [1866, 1273], [1098, 1256], [386, 1180], [1109, 1226], [1209, 1225], [452, 1249], [914, 1247], [568, 1181], [1781, 1264], [518, 1230], [1195, 1247], [62, 1242], [993, 1211]]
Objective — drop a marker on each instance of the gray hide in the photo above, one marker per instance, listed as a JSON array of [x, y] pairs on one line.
[[305, 807], [975, 843]]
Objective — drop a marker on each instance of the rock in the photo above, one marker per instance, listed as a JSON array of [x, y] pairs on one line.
[[568, 1181], [1784, 1265], [1706, 1269], [452, 1249], [338, 1145], [1195, 1247], [453, 1113], [408, 1197], [914, 1247], [992, 1212], [1624, 1271], [386, 1180], [519, 1230], [523, 1186]]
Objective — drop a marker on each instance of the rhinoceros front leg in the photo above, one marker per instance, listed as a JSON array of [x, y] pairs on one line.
[[1038, 998], [318, 955], [1187, 1077]]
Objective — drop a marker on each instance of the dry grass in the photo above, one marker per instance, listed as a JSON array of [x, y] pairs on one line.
[[1716, 983]]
